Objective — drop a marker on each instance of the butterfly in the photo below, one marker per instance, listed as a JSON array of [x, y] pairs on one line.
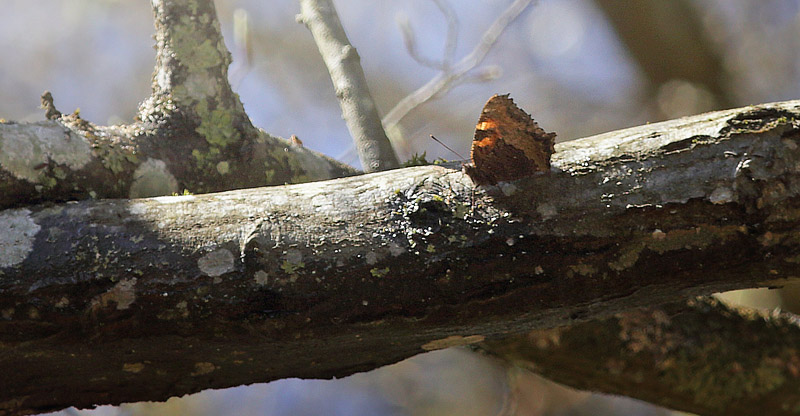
[[508, 144]]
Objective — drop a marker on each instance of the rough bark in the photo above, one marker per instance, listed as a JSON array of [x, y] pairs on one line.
[[192, 133], [698, 356], [129, 300]]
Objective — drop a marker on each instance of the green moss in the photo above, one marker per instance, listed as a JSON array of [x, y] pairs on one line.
[[216, 125], [195, 52], [292, 165], [48, 182], [417, 160], [115, 158], [59, 173], [269, 174], [700, 377], [376, 272], [205, 159], [290, 268], [461, 210]]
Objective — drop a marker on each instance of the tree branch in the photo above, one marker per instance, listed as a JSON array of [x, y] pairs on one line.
[[343, 62], [697, 356], [152, 298], [193, 133]]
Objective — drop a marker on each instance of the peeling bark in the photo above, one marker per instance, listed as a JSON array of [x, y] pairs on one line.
[[129, 300]]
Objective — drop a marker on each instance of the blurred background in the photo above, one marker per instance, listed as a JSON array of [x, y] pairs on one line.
[[580, 67]]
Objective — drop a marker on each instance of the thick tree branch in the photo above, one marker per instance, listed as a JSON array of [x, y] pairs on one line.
[[698, 356], [344, 66], [193, 134], [70, 158], [151, 298]]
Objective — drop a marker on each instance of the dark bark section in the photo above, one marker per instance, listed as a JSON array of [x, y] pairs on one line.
[[112, 301], [698, 356]]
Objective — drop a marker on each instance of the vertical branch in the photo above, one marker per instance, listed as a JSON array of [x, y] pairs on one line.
[[191, 75], [358, 108], [668, 42], [196, 125]]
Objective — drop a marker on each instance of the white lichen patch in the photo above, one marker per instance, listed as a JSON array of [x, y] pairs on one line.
[[175, 199], [123, 294], [507, 188], [200, 84], [452, 341], [261, 277], [395, 249], [137, 208], [24, 149], [371, 258], [17, 236], [152, 178], [293, 256], [547, 210], [721, 195], [223, 167], [216, 263]]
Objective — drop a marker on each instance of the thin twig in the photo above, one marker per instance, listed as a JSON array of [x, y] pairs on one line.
[[444, 81], [452, 32], [450, 44], [411, 45], [358, 108]]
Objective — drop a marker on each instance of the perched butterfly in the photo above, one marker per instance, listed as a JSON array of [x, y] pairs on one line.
[[508, 144]]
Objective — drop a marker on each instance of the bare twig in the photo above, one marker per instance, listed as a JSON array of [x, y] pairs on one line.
[[446, 79], [452, 32], [358, 108], [450, 44]]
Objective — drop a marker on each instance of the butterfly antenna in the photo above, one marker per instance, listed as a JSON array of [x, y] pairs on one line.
[[446, 147]]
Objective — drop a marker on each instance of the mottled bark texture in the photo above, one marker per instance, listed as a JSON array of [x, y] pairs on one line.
[[192, 133], [697, 356], [130, 300]]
